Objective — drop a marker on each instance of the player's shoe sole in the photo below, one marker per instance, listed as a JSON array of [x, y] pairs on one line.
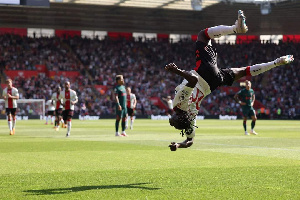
[[240, 23]]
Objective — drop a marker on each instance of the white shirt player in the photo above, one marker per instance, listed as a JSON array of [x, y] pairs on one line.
[[56, 100], [189, 99], [67, 97], [50, 105], [131, 100], [10, 103]]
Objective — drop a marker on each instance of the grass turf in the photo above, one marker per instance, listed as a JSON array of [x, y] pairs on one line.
[[39, 163]]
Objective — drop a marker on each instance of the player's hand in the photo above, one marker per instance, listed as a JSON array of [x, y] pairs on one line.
[[171, 67], [120, 107], [173, 146], [9, 96], [283, 60], [243, 103], [4, 97]]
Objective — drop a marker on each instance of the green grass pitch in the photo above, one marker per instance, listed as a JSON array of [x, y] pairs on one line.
[[40, 163]]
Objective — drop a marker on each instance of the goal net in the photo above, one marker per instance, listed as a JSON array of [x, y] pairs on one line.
[[27, 108]]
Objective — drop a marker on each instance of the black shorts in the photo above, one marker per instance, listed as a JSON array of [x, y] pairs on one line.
[[11, 111], [67, 114], [58, 112], [206, 67], [50, 112], [130, 111]]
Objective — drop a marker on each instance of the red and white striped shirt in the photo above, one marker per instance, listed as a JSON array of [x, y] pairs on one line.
[[67, 97], [9, 102], [57, 100], [130, 100]]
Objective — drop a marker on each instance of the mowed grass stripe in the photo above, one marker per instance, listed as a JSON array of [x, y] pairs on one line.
[[39, 163]]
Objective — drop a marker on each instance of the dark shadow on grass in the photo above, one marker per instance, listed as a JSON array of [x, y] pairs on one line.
[[85, 188]]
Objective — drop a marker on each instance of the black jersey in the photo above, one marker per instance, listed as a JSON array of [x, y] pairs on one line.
[[206, 67]]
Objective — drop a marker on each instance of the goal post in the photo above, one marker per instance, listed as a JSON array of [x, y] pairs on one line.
[[27, 108]]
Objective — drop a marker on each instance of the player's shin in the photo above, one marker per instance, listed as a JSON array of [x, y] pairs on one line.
[[263, 67], [14, 122], [218, 31], [117, 125], [252, 125], [245, 125], [257, 69], [9, 124], [69, 127], [123, 124]]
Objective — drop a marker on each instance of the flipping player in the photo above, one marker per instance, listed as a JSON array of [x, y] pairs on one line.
[[206, 77], [131, 104], [56, 101], [11, 95], [69, 99]]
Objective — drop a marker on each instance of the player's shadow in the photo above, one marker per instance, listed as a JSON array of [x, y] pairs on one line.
[[85, 188]]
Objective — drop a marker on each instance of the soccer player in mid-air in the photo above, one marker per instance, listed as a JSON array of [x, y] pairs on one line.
[[69, 99], [131, 104], [206, 77], [57, 102], [121, 109], [246, 98], [11, 95]]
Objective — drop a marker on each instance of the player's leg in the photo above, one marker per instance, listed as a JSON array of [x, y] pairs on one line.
[[118, 117], [46, 118], [9, 122], [14, 120], [254, 118], [127, 118], [56, 122], [124, 119], [62, 118], [257, 69], [65, 117], [52, 117], [69, 121], [218, 31], [132, 117], [245, 124], [57, 119]]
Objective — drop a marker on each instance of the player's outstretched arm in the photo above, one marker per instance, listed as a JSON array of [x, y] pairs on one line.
[[192, 80], [185, 144]]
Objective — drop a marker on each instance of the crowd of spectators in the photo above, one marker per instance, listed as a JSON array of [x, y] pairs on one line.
[[142, 65], [24, 53]]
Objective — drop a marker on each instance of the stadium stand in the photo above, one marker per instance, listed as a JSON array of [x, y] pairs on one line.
[[142, 64]]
